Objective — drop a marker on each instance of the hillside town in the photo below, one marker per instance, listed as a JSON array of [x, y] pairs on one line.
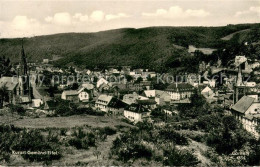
[[133, 93], [216, 108], [121, 83]]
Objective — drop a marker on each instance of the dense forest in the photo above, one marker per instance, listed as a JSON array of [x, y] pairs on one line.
[[154, 47]]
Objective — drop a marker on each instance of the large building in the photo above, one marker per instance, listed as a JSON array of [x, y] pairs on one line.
[[136, 113], [247, 111], [180, 91], [110, 104], [19, 87], [161, 98]]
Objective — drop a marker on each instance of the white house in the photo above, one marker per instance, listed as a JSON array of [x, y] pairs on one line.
[[160, 97], [102, 102], [45, 61], [131, 98], [36, 103], [88, 72], [180, 91], [110, 104], [207, 91], [71, 95], [250, 84], [83, 94], [101, 81], [136, 113]]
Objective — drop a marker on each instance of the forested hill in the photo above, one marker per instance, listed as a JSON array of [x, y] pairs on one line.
[[146, 47]]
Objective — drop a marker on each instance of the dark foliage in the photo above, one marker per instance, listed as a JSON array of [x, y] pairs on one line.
[[17, 108], [228, 136], [254, 153], [146, 47], [16, 139], [175, 157], [82, 139]]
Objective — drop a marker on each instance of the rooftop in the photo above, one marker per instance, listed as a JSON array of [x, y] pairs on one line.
[[104, 97], [243, 104], [136, 108], [179, 87], [70, 92]]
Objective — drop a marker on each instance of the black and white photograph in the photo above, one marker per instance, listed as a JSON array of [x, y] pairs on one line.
[[130, 83]]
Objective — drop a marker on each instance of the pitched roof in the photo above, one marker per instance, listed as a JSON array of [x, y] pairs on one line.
[[156, 93], [85, 87], [179, 87], [146, 102], [70, 92], [206, 89], [243, 104], [136, 108], [116, 103], [104, 97]]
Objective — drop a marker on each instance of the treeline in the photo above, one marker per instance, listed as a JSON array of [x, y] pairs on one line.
[[145, 47]]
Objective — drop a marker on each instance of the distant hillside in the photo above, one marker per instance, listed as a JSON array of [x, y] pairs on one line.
[[145, 47], [228, 37]]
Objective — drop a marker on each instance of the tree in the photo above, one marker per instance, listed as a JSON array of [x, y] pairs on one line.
[[253, 158], [175, 157], [129, 78], [3, 95], [52, 90], [197, 100], [257, 128], [228, 136], [75, 86], [139, 79], [197, 107], [5, 67]]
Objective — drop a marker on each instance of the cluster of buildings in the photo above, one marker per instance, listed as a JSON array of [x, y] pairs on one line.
[[130, 92]]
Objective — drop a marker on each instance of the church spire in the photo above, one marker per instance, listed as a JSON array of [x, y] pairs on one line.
[[24, 68]]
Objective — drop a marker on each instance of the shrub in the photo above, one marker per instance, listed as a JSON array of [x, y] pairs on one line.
[[89, 111], [16, 108], [175, 157], [82, 140], [173, 136], [33, 141], [107, 131], [131, 151]]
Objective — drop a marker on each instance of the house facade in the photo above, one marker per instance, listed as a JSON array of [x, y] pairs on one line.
[[179, 91], [131, 98], [71, 95], [101, 81], [83, 94], [247, 111], [136, 113], [110, 104], [161, 98]]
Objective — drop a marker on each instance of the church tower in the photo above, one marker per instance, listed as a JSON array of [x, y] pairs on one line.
[[239, 87], [23, 64], [23, 77]]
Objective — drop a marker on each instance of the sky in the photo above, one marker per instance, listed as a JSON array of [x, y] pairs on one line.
[[27, 18]]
